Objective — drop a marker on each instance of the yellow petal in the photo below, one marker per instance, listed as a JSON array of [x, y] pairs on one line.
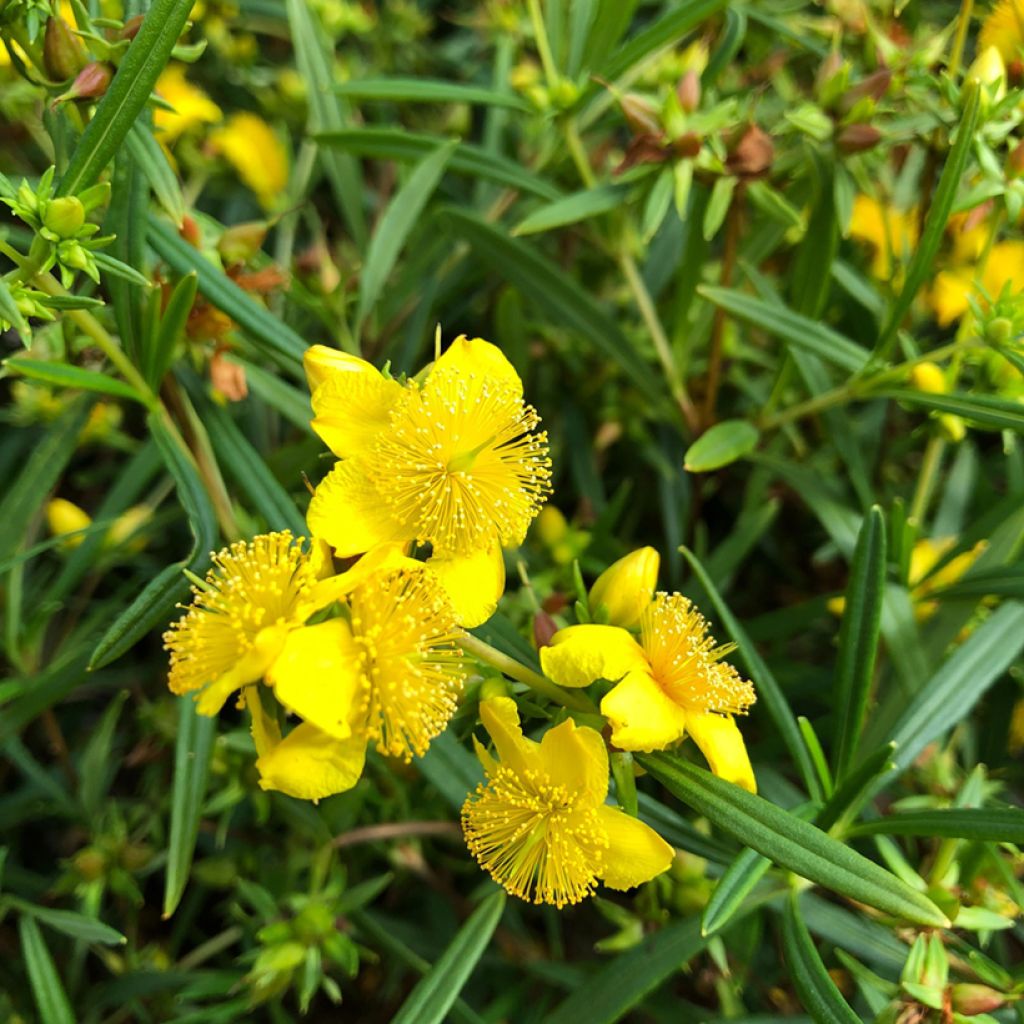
[[641, 714], [626, 587], [580, 654], [721, 742], [478, 359], [352, 405], [322, 361], [576, 757], [383, 558], [474, 583], [501, 720], [317, 675], [309, 764], [249, 669], [636, 853], [265, 732], [348, 513], [949, 294]]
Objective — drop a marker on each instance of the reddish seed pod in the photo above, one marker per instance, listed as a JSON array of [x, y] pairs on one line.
[[751, 153], [856, 138]]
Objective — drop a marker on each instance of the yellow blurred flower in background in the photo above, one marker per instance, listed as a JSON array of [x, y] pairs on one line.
[[1004, 29], [192, 107], [253, 148], [891, 233], [954, 286]]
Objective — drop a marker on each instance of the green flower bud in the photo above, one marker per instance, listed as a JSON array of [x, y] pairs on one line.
[[64, 55], [64, 216]]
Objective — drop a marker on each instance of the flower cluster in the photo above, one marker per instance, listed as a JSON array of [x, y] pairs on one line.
[[436, 476]]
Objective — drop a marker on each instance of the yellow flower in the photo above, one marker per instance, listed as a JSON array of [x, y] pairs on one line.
[[989, 70], [192, 107], [253, 596], [924, 580], [454, 462], [1004, 29], [62, 517], [626, 587], [539, 825], [890, 233], [953, 287], [389, 671], [253, 148], [671, 684]]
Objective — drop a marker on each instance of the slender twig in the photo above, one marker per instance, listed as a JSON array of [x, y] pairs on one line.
[[396, 830]]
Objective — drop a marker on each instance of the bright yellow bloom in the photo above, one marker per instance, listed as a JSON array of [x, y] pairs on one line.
[[891, 234], [253, 596], [253, 148], [989, 70], [626, 587], [953, 287], [63, 516], [925, 581], [540, 826], [454, 462], [390, 671], [192, 107], [671, 684], [1004, 29]]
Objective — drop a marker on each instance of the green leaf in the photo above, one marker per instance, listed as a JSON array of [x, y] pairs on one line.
[[327, 112], [97, 767], [273, 337], [981, 824], [9, 311], [291, 402], [152, 161], [550, 287], [950, 695], [157, 357], [64, 376], [768, 690], [24, 498], [799, 331], [667, 30], [78, 926], [939, 209], [118, 269], [724, 443], [399, 144], [434, 994], [790, 842], [572, 209], [858, 638], [427, 90], [732, 890], [981, 410], [154, 606], [856, 787], [818, 992], [192, 750], [396, 223], [451, 769], [51, 999], [127, 95]]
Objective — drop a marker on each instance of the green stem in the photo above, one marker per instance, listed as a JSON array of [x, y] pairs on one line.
[[933, 453], [516, 670], [543, 46], [963, 24]]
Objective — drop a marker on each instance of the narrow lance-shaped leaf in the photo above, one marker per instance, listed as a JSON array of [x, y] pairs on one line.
[[129, 91], [47, 990], [982, 824], [790, 842], [427, 90], [434, 994], [858, 638]]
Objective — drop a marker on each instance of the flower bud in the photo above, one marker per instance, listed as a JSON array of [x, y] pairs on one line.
[[241, 242], [64, 54], [688, 91], [989, 70], [320, 362], [493, 686], [64, 216], [92, 81], [544, 628], [63, 517], [751, 153], [951, 427], [125, 527], [564, 93], [90, 863], [874, 87], [974, 999], [227, 378], [131, 27], [857, 138], [928, 377], [626, 587], [1015, 161], [687, 145], [999, 330]]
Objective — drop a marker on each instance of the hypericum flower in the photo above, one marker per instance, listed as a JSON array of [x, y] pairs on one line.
[[64, 517], [671, 684], [891, 233], [539, 825], [389, 671], [192, 107], [256, 592], [989, 70], [1004, 29], [954, 286], [626, 587], [454, 462], [252, 147]]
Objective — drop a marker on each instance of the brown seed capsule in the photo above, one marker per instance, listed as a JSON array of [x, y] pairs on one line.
[[974, 999], [131, 27], [544, 628], [91, 82], [64, 54], [688, 91], [640, 115], [751, 153], [1015, 161], [856, 138], [874, 87]]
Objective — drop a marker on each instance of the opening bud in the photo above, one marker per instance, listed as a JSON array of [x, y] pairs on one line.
[[626, 587]]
